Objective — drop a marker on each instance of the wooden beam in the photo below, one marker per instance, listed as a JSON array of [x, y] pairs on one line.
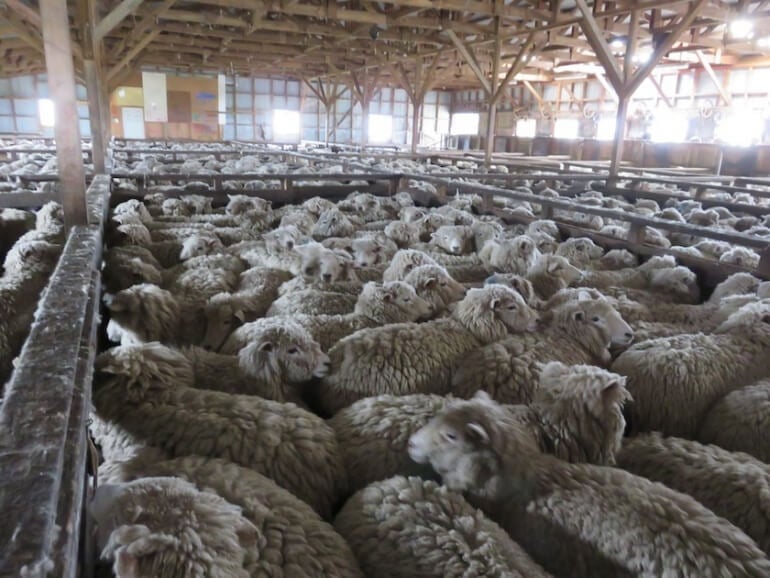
[[517, 66], [22, 32], [61, 84], [595, 37], [628, 59], [620, 136], [606, 85], [710, 72], [660, 51], [132, 53], [489, 145], [148, 21], [466, 53], [27, 13], [528, 85], [115, 17], [662, 94]]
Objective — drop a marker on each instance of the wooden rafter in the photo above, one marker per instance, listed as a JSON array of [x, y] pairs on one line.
[[115, 17]]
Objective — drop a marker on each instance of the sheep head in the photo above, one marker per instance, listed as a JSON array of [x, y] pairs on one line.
[[392, 302], [494, 311], [434, 284]]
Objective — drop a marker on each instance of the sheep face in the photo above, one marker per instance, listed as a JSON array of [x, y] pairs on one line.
[[411, 214], [580, 251], [460, 443], [165, 526], [518, 283], [318, 205], [403, 262], [544, 227], [335, 266], [176, 208], [198, 245], [144, 313], [132, 234], [368, 252], [283, 238], [241, 204], [454, 239], [332, 223], [284, 353], [392, 302], [435, 285], [123, 273], [679, 280], [604, 319], [555, 267], [494, 311]]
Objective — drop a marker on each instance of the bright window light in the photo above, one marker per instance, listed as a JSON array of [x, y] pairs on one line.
[[46, 110], [740, 129], [669, 126], [642, 56], [741, 29], [380, 128], [526, 127], [566, 128], [285, 124], [606, 128], [465, 123]]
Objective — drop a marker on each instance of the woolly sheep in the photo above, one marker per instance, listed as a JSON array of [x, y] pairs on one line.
[[372, 251], [675, 380], [515, 255], [404, 235], [433, 284], [146, 312], [742, 257], [288, 444], [618, 259], [519, 284], [454, 239], [550, 273], [580, 331], [408, 527], [291, 538], [198, 284], [579, 519], [417, 358], [313, 302], [677, 283], [732, 485], [544, 227], [164, 527], [332, 223], [580, 251], [738, 421], [763, 290], [403, 262], [735, 284]]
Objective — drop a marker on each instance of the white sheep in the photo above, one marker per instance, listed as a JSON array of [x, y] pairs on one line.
[[675, 380], [519, 284], [403, 262], [677, 284], [404, 235], [135, 398], [408, 527], [516, 255], [454, 239], [551, 273], [617, 259], [737, 422], [735, 284], [332, 223], [732, 485], [582, 252], [313, 302], [434, 284], [742, 257], [416, 358], [164, 527], [579, 520], [580, 331], [291, 537]]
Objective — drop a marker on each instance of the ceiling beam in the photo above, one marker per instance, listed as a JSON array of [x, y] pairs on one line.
[[115, 17], [710, 72], [595, 36], [141, 45], [527, 50], [470, 59]]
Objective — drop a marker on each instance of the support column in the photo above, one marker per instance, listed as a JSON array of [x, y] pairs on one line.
[[365, 120], [416, 115], [489, 145], [95, 114], [620, 135], [61, 84]]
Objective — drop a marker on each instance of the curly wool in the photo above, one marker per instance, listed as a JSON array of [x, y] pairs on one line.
[[436, 286], [313, 302], [508, 369], [551, 273], [288, 444], [738, 421], [675, 380], [403, 262], [583, 520], [732, 485], [417, 358], [164, 527], [407, 527], [735, 284], [292, 539]]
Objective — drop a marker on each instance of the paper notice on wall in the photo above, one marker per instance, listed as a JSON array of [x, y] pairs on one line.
[[222, 93], [155, 99]]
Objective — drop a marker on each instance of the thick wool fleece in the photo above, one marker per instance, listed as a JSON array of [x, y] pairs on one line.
[[292, 539], [732, 485], [738, 421], [408, 527]]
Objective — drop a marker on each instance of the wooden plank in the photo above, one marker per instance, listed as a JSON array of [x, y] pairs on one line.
[[141, 45], [710, 72], [595, 37], [61, 84], [465, 52], [527, 51], [26, 200], [115, 17]]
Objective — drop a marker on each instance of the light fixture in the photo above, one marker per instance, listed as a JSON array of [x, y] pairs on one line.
[[741, 28], [617, 43], [642, 56], [121, 93]]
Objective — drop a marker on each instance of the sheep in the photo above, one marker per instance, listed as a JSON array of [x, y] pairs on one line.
[[763, 290], [165, 527], [291, 538], [579, 519], [678, 284], [742, 257], [674, 380], [732, 485], [735, 284], [544, 227], [198, 284], [580, 331], [519, 284], [240, 204], [582, 252], [372, 251], [332, 223], [407, 527], [403, 262], [433, 284], [416, 358], [404, 235], [454, 239], [313, 302], [134, 397], [576, 415], [737, 422], [377, 305], [515, 255], [146, 312], [551, 273], [618, 259]]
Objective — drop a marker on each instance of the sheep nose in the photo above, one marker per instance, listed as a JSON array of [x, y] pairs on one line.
[[327, 277], [629, 336], [290, 245]]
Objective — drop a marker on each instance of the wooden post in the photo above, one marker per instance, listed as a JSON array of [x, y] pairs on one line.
[[416, 110], [489, 146], [364, 121], [620, 135], [95, 114], [61, 83]]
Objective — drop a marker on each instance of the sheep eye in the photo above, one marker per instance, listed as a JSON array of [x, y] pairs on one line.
[[450, 436], [596, 320], [293, 350], [511, 308], [443, 283]]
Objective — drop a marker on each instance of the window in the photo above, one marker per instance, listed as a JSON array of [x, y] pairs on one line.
[[741, 128], [380, 128], [46, 110], [669, 126], [526, 127], [606, 128], [285, 125], [566, 128], [465, 123]]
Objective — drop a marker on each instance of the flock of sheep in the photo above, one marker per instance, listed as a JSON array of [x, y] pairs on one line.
[[373, 388]]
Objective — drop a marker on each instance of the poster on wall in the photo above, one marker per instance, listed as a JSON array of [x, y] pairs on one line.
[[222, 104], [155, 107]]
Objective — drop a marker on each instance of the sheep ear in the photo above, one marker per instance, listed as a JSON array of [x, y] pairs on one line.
[[387, 297], [429, 282], [240, 315], [552, 267], [615, 393], [583, 296], [482, 395], [579, 316], [267, 346], [477, 433], [494, 303]]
